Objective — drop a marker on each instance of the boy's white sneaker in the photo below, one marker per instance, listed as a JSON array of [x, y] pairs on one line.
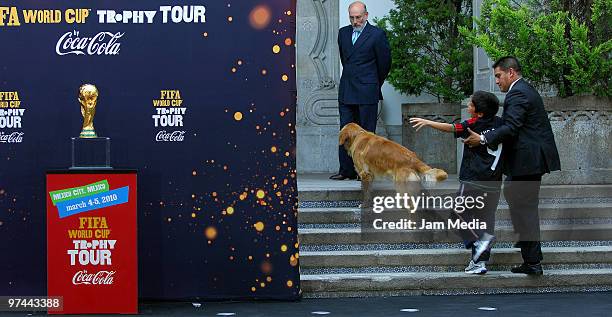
[[476, 267]]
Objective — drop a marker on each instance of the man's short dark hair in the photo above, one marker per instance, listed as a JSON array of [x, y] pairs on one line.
[[508, 62], [485, 102]]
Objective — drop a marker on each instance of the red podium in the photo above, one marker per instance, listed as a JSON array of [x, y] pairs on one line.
[[91, 241]]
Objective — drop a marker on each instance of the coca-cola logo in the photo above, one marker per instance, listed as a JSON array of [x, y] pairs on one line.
[[103, 43], [15, 137], [99, 278], [175, 136]]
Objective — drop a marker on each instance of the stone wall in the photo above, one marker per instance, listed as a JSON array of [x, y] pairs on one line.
[[435, 148], [583, 133]]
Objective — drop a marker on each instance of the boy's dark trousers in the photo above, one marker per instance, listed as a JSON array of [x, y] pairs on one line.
[[486, 214]]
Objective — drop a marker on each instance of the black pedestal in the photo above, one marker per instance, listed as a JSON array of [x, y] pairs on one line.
[[88, 153]]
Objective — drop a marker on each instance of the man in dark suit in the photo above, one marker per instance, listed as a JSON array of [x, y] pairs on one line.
[[529, 151], [366, 61]]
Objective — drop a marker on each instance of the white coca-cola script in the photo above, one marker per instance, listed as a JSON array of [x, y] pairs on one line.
[[103, 43], [99, 278], [15, 137], [176, 136]]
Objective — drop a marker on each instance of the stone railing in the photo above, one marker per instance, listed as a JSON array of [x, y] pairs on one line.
[[583, 133]]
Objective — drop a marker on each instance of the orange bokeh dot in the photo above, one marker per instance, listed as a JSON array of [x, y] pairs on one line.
[[238, 116], [266, 267], [260, 17], [259, 226], [211, 233], [288, 41]]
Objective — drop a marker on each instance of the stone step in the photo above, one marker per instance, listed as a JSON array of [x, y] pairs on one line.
[[547, 211], [441, 245], [451, 283], [443, 268], [354, 235], [352, 191], [498, 223], [423, 258]]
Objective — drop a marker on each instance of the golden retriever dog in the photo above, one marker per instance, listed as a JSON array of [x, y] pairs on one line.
[[377, 157]]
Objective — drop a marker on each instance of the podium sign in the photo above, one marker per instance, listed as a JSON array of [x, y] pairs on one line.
[[91, 241]]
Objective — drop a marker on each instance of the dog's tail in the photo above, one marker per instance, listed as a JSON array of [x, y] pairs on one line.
[[431, 175]]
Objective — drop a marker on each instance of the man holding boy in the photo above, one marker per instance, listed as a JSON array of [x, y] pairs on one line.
[[529, 152]]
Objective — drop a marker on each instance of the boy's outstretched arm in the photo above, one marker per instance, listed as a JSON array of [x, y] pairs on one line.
[[420, 122]]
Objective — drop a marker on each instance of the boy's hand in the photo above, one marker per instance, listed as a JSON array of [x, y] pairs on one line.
[[419, 123]]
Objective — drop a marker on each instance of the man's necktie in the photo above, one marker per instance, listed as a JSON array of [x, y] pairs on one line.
[[355, 36]]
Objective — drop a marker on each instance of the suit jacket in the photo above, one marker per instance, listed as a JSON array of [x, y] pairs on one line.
[[529, 143], [365, 65]]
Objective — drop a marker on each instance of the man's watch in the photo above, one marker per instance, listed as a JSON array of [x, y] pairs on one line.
[[483, 141]]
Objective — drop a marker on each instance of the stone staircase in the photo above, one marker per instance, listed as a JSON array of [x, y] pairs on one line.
[[336, 261]]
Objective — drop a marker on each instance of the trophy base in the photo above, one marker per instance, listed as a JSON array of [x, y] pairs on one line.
[[88, 134], [90, 153]]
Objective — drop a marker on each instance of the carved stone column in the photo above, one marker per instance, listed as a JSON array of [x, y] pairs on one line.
[[318, 74]]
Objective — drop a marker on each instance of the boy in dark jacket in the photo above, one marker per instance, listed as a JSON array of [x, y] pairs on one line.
[[480, 175]]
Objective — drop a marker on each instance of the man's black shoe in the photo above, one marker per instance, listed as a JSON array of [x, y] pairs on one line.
[[340, 177], [530, 269]]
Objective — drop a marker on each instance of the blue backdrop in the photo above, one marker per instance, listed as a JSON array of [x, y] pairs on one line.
[[217, 203]]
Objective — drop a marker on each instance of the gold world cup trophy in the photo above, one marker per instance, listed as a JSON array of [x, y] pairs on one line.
[[88, 98]]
